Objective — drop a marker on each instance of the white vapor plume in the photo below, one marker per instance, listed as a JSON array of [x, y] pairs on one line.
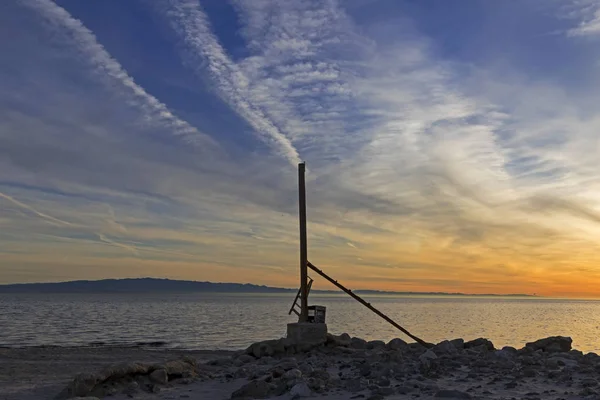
[[190, 21], [47, 217], [87, 43]]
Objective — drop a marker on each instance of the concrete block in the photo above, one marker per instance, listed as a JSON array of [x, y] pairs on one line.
[[307, 333]]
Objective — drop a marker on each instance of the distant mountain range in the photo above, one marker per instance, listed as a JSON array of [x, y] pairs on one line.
[[146, 285]]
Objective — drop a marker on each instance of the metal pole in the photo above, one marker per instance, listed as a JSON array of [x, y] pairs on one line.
[[303, 244]]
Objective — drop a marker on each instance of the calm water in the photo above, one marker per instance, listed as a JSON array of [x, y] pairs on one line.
[[209, 321]]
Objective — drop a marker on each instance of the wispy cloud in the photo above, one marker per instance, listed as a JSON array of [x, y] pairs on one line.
[[588, 12], [46, 217], [425, 163], [189, 20], [105, 239], [108, 68]]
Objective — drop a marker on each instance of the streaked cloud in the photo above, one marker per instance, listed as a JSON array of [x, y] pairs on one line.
[[109, 69], [429, 168]]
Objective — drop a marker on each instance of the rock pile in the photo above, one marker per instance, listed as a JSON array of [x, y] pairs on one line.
[[354, 368], [131, 378], [450, 369]]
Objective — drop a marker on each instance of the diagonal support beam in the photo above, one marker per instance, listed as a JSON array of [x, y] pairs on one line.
[[368, 305]]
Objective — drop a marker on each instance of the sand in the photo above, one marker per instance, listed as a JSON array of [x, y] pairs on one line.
[[344, 368]]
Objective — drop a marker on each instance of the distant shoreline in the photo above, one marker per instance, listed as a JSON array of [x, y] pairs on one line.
[[157, 285]]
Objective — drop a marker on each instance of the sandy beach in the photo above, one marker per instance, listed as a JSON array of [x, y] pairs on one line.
[[343, 368]]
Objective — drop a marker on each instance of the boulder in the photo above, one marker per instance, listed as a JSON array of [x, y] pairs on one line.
[[159, 376], [396, 344], [253, 390], [553, 344], [445, 347], [428, 355], [123, 370], [427, 358], [178, 368], [480, 342], [459, 344], [375, 344], [358, 343], [306, 368], [292, 374], [343, 340], [268, 348], [300, 390]]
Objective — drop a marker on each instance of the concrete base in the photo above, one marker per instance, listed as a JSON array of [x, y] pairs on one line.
[[307, 333]]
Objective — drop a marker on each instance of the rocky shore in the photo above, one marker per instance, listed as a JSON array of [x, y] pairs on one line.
[[351, 368]]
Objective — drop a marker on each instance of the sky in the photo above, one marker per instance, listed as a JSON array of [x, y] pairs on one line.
[[450, 145]]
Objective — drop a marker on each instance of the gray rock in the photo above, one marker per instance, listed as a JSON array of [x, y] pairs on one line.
[[178, 368], [445, 347], [375, 344], [300, 390], [504, 354], [553, 344], [452, 394], [268, 348], [427, 356], [396, 344], [591, 359], [292, 374], [487, 344], [159, 376], [459, 344], [306, 368], [358, 343], [343, 340], [383, 382], [253, 390]]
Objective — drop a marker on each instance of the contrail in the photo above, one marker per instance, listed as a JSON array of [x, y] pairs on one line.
[[105, 239], [101, 60], [33, 210], [188, 20]]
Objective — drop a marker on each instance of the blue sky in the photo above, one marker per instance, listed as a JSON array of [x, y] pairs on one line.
[[450, 145]]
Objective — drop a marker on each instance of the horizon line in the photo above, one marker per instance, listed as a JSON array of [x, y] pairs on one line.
[[373, 291]]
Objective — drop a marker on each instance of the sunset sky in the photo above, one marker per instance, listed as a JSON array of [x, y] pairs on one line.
[[451, 145]]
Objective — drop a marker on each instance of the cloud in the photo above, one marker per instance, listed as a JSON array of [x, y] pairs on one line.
[[589, 12], [421, 165], [108, 68], [34, 211], [189, 20], [105, 239]]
